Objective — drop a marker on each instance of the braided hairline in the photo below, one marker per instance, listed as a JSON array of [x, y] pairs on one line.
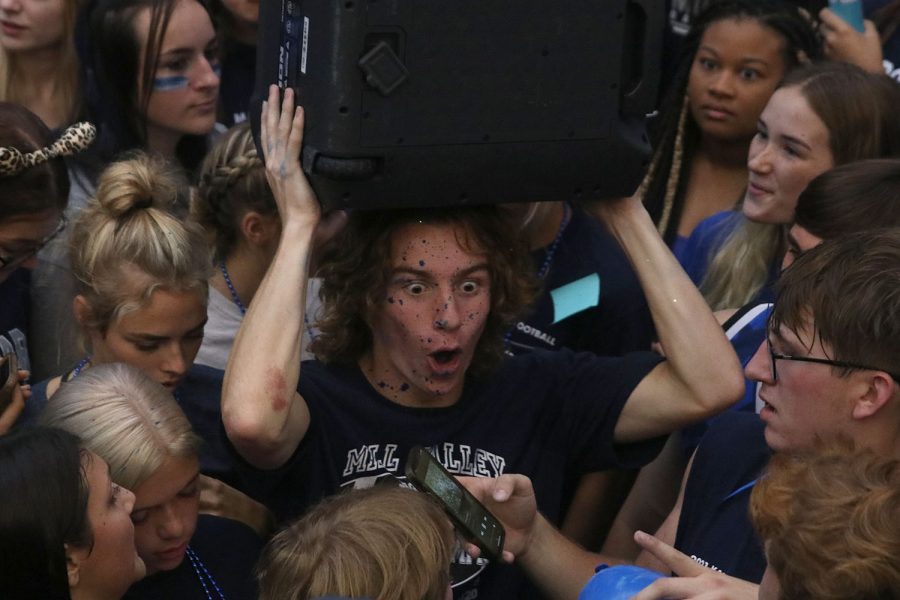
[[226, 176]]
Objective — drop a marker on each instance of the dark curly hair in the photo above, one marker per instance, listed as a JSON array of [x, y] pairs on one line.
[[355, 266]]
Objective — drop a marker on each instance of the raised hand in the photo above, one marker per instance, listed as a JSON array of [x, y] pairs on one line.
[[281, 133]]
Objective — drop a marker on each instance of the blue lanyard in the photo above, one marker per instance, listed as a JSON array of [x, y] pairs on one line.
[[743, 488]]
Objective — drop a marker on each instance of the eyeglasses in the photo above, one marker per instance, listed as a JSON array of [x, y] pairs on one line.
[[774, 356], [18, 258]]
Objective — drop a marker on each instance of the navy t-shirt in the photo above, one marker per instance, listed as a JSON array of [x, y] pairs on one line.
[[548, 415], [14, 303], [228, 551], [591, 301], [714, 528]]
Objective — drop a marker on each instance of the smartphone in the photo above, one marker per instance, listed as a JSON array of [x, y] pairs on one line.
[[9, 376], [850, 11], [472, 519]]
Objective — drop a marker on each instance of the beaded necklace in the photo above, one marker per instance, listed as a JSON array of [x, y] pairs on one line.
[[234, 295], [237, 300], [203, 575], [76, 370], [548, 261]]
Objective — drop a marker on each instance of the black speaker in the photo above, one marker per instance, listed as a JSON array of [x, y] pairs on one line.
[[438, 102]]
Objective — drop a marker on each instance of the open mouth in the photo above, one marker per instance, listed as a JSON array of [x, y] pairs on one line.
[[443, 357], [444, 362]]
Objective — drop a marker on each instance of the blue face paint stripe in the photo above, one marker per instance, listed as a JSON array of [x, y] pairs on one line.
[[165, 84], [178, 82]]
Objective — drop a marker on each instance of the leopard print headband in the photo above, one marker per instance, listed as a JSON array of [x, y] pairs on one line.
[[74, 139]]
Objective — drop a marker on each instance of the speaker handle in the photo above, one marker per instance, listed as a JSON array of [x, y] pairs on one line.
[[641, 57]]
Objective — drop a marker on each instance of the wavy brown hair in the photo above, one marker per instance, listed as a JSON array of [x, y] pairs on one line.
[[848, 291], [355, 266]]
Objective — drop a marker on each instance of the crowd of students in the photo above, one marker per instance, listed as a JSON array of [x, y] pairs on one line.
[[212, 386]]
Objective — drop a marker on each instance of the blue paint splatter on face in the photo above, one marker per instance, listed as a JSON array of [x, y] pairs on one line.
[[382, 384], [391, 299], [401, 302], [421, 263], [404, 387]]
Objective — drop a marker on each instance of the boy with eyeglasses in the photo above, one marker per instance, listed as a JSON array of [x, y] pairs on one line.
[[829, 367]]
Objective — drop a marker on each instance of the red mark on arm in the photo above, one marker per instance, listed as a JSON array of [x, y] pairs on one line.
[[276, 389]]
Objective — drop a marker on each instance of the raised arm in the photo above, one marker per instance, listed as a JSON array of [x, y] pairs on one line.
[[264, 416], [702, 375]]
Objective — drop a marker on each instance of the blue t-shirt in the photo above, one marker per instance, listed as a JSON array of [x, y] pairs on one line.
[[548, 415], [591, 299], [746, 330], [706, 240], [715, 528]]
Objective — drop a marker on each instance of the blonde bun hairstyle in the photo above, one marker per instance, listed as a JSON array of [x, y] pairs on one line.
[[134, 237]]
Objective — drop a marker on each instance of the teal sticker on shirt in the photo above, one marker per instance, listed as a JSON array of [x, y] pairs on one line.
[[575, 297]]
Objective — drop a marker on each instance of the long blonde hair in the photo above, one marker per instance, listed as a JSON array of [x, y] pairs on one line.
[[135, 237], [859, 112], [66, 76]]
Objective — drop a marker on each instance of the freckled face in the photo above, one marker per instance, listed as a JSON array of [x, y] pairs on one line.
[[432, 316]]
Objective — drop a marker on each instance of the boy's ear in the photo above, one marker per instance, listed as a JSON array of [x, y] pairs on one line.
[[881, 388]]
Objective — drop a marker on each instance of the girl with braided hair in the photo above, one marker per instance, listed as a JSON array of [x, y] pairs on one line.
[[735, 54], [237, 209]]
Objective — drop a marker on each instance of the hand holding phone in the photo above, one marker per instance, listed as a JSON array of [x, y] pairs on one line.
[[471, 518], [13, 391], [9, 377]]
